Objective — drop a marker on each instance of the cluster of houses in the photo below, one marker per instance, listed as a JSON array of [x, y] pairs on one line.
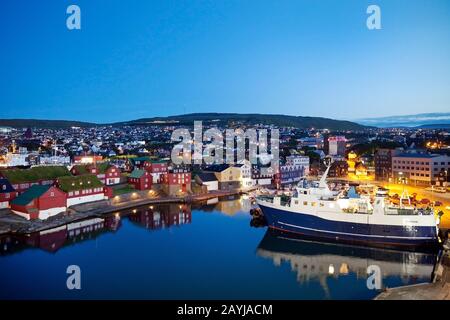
[[44, 191]]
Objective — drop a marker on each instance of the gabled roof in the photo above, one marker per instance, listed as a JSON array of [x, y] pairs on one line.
[[133, 160], [217, 168], [137, 174], [32, 193], [207, 176], [85, 181], [5, 186]]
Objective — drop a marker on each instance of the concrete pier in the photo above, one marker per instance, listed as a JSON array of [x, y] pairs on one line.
[[439, 289]]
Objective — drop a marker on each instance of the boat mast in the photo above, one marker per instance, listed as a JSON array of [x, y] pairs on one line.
[[323, 180]]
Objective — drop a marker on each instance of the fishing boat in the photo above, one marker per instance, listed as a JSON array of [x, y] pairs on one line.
[[317, 212]]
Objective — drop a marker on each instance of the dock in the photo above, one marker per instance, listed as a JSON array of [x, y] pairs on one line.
[[438, 289], [11, 223]]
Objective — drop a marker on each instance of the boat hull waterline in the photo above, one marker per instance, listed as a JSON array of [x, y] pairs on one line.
[[349, 232]]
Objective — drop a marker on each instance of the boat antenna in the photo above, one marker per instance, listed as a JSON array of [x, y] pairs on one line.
[[323, 180]]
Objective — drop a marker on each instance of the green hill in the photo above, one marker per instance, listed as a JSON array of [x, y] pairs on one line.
[[251, 119]]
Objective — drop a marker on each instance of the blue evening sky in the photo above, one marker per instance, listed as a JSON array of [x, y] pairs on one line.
[[144, 58]]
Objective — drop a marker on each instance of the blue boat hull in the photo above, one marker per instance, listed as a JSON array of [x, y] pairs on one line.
[[353, 233]]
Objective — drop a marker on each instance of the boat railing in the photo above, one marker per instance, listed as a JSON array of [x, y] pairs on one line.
[[265, 198], [408, 212]]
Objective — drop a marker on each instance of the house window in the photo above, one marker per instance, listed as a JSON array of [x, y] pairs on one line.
[[52, 194], [305, 203]]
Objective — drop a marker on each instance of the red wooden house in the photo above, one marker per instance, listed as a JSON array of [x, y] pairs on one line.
[[40, 202], [157, 169], [177, 180], [107, 173], [82, 189], [140, 179], [7, 193]]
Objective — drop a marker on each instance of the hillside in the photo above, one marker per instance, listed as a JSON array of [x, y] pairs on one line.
[[35, 123], [228, 118], [188, 119], [425, 120]]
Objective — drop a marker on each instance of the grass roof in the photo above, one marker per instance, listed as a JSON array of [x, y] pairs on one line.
[[76, 183], [34, 174]]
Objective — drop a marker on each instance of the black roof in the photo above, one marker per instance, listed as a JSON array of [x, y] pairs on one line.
[[207, 176], [217, 168], [5, 186]]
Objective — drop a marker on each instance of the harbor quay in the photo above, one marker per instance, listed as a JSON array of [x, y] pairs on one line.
[[13, 224]]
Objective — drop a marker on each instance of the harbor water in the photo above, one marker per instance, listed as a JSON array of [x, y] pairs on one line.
[[206, 251]]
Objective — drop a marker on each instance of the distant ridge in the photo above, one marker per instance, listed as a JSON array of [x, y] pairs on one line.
[[188, 119], [415, 120], [253, 118], [35, 123]]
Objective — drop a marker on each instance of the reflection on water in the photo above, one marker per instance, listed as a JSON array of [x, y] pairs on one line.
[[150, 217], [203, 240], [316, 261]]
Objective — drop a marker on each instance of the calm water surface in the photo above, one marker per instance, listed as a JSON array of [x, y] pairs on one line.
[[208, 251]]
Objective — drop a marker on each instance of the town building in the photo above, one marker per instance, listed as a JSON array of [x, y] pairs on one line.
[[338, 169], [419, 168], [288, 175], [229, 177], [383, 163], [246, 174], [207, 179], [86, 159], [177, 180], [40, 202], [7, 193], [157, 169], [262, 175], [337, 145], [140, 179], [108, 174], [82, 189], [301, 161]]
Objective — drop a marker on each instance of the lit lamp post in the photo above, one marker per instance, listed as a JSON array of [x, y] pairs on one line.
[[401, 180]]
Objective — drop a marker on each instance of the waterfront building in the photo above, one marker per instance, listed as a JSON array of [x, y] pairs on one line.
[[22, 179], [337, 145], [40, 202], [262, 178], [82, 189], [246, 174], [419, 168], [207, 179], [177, 180], [140, 179], [229, 177], [7, 193], [288, 175]]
